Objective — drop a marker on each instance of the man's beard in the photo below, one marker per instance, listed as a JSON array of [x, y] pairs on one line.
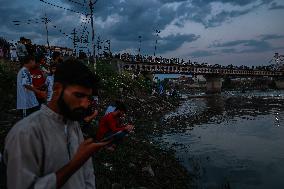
[[77, 114]]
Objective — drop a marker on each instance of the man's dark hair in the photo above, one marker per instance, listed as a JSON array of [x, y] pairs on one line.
[[73, 72], [55, 55], [120, 106], [27, 59]]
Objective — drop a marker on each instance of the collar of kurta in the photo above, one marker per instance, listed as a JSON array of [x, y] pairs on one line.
[[53, 114]]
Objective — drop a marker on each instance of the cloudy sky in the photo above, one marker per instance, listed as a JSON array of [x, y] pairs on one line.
[[240, 32]]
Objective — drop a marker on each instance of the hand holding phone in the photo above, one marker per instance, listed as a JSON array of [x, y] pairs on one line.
[[115, 137]]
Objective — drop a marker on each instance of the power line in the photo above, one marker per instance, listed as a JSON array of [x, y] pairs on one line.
[[61, 7], [17, 23], [77, 3]]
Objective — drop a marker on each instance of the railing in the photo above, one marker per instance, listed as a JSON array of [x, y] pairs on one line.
[[183, 69]]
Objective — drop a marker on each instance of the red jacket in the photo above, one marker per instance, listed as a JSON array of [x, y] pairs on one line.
[[38, 78], [108, 124]]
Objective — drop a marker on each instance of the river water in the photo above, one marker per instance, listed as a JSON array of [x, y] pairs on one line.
[[237, 140]]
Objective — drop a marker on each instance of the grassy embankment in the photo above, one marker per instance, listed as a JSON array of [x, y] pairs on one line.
[[137, 162]]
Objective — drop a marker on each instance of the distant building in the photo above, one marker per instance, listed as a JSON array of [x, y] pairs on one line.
[[63, 50]]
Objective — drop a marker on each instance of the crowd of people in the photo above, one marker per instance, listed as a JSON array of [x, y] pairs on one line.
[[46, 148], [25, 46], [161, 60]]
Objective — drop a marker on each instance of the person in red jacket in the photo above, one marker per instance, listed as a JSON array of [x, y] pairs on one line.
[[38, 80], [111, 123]]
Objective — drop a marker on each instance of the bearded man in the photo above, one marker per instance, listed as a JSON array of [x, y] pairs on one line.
[[47, 149]]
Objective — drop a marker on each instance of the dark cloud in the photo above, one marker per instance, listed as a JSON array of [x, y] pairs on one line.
[[200, 11], [275, 6], [143, 17], [165, 44], [173, 42], [271, 36], [248, 46], [224, 16], [123, 21], [229, 44], [29, 18]]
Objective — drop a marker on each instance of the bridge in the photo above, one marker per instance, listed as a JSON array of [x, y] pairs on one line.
[[192, 70], [213, 75]]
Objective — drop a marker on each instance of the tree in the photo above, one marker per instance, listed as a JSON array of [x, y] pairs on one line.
[[5, 46]]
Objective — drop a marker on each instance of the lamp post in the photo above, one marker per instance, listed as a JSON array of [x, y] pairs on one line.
[[157, 35], [139, 49], [46, 21]]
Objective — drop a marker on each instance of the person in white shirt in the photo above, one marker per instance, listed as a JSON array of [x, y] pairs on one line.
[[21, 50], [50, 81], [26, 98], [46, 150], [13, 54]]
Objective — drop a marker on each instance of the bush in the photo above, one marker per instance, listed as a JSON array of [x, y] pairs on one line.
[[112, 81], [8, 84]]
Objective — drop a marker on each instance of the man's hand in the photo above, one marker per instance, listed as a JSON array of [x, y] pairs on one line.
[[84, 152], [91, 117], [129, 128], [87, 149]]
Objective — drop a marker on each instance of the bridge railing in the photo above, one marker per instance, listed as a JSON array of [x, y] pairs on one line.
[[162, 68]]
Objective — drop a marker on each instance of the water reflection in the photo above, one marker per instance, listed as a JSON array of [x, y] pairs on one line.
[[238, 143]]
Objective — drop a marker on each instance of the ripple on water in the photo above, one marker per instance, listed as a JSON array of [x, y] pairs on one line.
[[239, 145]]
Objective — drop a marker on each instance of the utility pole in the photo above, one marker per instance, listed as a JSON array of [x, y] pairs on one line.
[[108, 47], [99, 45], [74, 33], [139, 49], [91, 5], [46, 20], [157, 35]]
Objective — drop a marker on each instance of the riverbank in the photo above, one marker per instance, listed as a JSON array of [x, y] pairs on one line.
[[137, 162]]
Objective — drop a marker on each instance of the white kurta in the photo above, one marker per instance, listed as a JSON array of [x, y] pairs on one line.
[[38, 146]]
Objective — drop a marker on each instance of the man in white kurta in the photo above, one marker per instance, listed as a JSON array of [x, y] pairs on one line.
[[39, 145], [46, 150]]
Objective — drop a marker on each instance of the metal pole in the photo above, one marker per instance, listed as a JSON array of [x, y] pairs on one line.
[[98, 45], [139, 50], [109, 47], [47, 40], [155, 48], [74, 40], [157, 35], [91, 5]]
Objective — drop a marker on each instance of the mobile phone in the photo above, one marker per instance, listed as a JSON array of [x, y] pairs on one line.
[[115, 137]]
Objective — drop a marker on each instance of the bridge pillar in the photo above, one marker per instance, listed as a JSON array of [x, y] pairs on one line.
[[279, 84], [213, 85]]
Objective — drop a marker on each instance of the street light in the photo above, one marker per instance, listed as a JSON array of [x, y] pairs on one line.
[[157, 35], [139, 49]]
